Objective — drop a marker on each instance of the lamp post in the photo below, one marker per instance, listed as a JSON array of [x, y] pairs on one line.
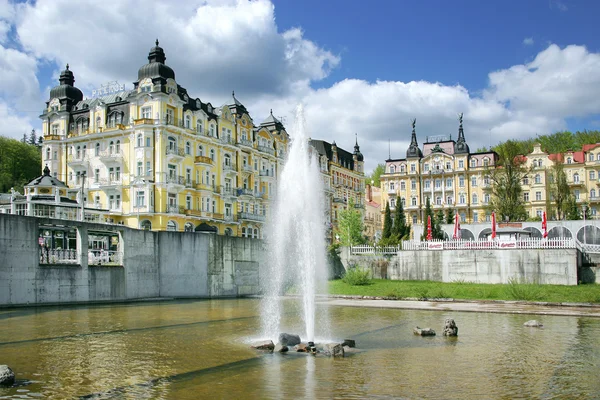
[[82, 196], [584, 208]]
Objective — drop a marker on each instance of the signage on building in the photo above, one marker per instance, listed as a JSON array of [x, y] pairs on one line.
[[108, 88]]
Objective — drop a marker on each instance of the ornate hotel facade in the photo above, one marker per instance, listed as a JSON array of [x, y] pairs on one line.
[[445, 172], [156, 158]]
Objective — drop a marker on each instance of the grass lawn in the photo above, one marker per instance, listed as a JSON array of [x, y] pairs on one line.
[[470, 291]]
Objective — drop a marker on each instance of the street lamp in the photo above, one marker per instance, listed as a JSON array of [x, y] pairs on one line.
[[584, 208]]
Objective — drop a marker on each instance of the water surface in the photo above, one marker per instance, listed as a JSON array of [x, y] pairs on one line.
[[199, 349]]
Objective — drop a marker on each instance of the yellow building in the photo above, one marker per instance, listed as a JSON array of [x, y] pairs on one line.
[[445, 172], [373, 222], [343, 179], [155, 158], [582, 169]]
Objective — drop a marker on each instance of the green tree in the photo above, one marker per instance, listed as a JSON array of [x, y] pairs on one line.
[[375, 176], [387, 222], [400, 230], [32, 138], [350, 226], [573, 212], [559, 189], [436, 229], [506, 190], [19, 164], [449, 216]]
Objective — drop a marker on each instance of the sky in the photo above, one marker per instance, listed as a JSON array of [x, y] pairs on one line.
[[516, 69]]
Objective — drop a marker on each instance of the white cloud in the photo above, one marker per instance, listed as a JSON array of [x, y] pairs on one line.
[[218, 46], [11, 124], [528, 41], [558, 5]]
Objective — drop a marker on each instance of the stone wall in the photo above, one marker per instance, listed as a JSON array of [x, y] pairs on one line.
[[155, 264], [547, 266]]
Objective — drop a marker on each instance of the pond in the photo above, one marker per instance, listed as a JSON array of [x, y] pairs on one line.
[[200, 349]]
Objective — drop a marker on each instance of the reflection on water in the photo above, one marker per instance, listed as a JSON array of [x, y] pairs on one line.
[[198, 349]]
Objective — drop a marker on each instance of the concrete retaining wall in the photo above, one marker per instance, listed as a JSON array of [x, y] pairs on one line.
[[547, 266], [155, 264]]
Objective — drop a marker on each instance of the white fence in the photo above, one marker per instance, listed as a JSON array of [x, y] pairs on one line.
[[105, 257], [58, 256], [436, 245]]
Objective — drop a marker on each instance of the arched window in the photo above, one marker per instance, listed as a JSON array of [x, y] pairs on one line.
[[461, 199], [188, 122], [576, 177], [598, 157], [47, 153], [118, 147], [97, 149], [199, 126], [188, 148], [111, 147], [227, 160], [98, 122], [486, 198], [228, 232], [188, 227], [146, 225], [171, 225], [392, 203], [212, 154], [255, 235], [140, 140], [438, 200], [593, 193], [200, 151], [475, 199], [569, 160]]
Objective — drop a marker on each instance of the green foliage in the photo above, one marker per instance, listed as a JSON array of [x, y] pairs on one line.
[[449, 216], [506, 190], [522, 290], [436, 229], [387, 223], [400, 230], [559, 190], [375, 176], [19, 164], [350, 226], [356, 276], [572, 210]]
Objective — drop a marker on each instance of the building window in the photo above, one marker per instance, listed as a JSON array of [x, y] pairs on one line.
[[392, 169], [392, 186], [426, 167], [413, 201], [475, 217], [171, 226], [576, 194], [402, 168], [526, 197], [427, 184], [200, 151], [402, 185], [140, 168], [486, 198], [486, 180], [473, 181], [473, 162], [486, 162], [170, 116], [55, 129], [413, 167], [592, 175], [474, 199], [538, 196], [199, 126], [188, 176], [188, 202], [569, 160], [212, 154], [448, 183], [413, 184], [449, 199], [593, 193], [538, 178], [392, 203], [461, 164], [525, 181], [438, 200], [438, 183], [188, 122], [97, 149], [462, 199], [140, 140], [96, 175], [461, 181], [188, 148], [48, 153], [576, 177], [146, 112]]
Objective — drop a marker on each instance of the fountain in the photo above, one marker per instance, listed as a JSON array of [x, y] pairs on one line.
[[296, 236]]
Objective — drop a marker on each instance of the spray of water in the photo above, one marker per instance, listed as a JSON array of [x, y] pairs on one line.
[[296, 237]]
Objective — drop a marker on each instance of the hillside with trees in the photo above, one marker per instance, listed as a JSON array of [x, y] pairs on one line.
[[20, 162]]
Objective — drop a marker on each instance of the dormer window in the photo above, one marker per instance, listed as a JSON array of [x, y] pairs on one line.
[[569, 160], [473, 162], [392, 169], [486, 162]]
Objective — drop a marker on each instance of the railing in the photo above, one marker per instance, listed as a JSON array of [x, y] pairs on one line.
[[229, 167], [58, 256], [203, 160], [176, 179], [105, 257], [245, 142], [175, 209], [143, 121], [251, 216], [176, 151], [111, 154], [529, 243], [245, 192], [72, 159], [228, 191], [247, 168], [226, 140], [266, 149], [267, 172]]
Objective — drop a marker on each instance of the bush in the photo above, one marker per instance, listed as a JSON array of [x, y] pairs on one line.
[[357, 276]]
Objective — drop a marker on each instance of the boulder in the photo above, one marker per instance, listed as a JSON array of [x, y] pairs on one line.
[[349, 343], [280, 349], [268, 345], [534, 324], [7, 376], [334, 350], [423, 331], [288, 339], [450, 328], [301, 348]]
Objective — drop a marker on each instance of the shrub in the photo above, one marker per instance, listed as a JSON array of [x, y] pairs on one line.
[[523, 290], [357, 276]]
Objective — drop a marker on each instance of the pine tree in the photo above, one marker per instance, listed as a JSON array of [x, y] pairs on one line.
[[400, 230], [449, 216], [387, 223], [32, 138]]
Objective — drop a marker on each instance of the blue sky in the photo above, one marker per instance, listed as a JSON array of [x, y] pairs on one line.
[[514, 68]]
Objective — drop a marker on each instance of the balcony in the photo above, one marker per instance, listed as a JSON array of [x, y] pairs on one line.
[[110, 185], [228, 191], [265, 173], [202, 160], [143, 121], [111, 157], [281, 154], [245, 192], [247, 168], [227, 141], [230, 168], [207, 187], [251, 217], [175, 209], [266, 149], [245, 143], [50, 137], [339, 200], [114, 127], [175, 182], [571, 182], [175, 153], [74, 161]]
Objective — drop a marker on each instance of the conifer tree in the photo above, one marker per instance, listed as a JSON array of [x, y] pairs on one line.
[[387, 222], [400, 230]]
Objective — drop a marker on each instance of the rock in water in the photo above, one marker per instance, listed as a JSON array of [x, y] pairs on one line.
[[450, 328], [349, 343], [301, 348], [288, 339], [281, 349], [423, 331], [334, 350], [265, 346], [7, 376], [533, 324]]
